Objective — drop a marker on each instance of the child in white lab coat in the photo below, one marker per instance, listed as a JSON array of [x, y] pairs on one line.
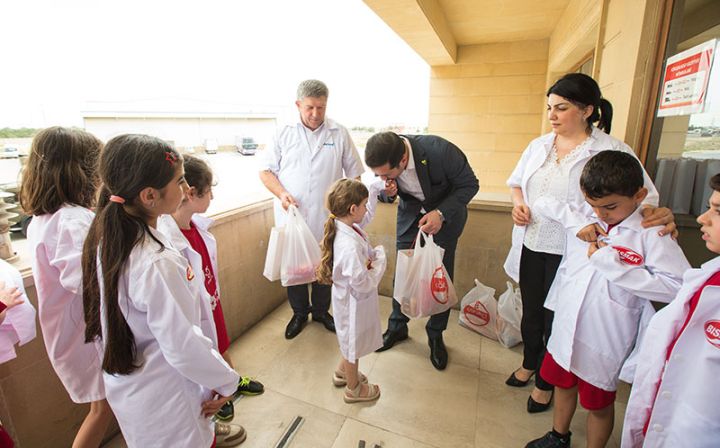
[[17, 322], [190, 234], [163, 377], [354, 268], [673, 402], [58, 189], [601, 294]]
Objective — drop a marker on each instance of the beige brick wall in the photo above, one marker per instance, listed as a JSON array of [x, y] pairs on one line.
[[491, 104]]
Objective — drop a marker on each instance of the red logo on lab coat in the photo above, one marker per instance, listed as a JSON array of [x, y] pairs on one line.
[[189, 273], [629, 256], [477, 314], [712, 332], [439, 286]]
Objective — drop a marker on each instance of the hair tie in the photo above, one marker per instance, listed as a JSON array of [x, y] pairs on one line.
[[117, 199], [332, 216], [170, 157]]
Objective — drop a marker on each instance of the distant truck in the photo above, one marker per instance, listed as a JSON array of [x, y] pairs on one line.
[[211, 146], [246, 146]]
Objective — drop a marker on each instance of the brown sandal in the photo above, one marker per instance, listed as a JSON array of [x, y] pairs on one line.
[[353, 395], [340, 380]]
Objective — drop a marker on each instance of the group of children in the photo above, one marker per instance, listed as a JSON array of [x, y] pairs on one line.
[[126, 278], [128, 299]]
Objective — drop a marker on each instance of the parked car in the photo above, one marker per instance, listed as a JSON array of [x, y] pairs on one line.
[[9, 152], [246, 145], [211, 146]]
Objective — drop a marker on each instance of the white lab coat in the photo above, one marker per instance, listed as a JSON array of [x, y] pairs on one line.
[[18, 327], [167, 225], [307, 173], [684, 414], [599, 302], [159, 404], [355, 291], [533, 158], [56, 242]]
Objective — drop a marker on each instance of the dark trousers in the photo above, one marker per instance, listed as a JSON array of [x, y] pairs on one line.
[[437, 323], [299, 298], [537, 272]]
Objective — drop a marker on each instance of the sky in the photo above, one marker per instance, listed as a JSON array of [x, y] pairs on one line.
[[60, 57]]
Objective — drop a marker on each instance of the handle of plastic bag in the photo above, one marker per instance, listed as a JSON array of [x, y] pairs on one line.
[[418, 239]]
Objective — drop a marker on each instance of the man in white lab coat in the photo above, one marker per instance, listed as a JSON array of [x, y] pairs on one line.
[[305, 159]]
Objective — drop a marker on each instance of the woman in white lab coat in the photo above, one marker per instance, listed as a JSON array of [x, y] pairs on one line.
[[673, 402], [58, 189], [551, 166], [355, 269], [163, 378]]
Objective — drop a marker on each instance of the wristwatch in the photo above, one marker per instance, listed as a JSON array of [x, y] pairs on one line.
[[442, 217]]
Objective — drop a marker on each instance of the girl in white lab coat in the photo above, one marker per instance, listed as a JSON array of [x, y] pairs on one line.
[[673, 402], [163, 378], [17, 322], [58, 189], [354, 268]]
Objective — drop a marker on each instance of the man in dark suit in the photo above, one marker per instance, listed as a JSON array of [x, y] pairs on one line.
[[435, 183]]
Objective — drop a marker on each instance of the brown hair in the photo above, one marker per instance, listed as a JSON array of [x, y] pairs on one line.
[[198, 174], [343, 194], [61, 169], [128, 165], [715, 182]]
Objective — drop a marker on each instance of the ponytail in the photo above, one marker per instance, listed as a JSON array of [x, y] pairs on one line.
[[324, 271], [115, 231], [606, 114]]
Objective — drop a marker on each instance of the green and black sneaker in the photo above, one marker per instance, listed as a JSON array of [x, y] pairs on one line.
[[226, 413], [248, 386]]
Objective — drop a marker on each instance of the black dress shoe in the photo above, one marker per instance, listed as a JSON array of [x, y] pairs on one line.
[[391, 338], [327, 321], [438, 353], [513, 381], [295, 326], [533, 407]]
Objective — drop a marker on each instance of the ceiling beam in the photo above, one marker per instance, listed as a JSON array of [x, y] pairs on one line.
[[422, 24]]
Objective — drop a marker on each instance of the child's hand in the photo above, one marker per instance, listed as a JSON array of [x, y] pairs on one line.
[[590, 232], [11, 297], [594, 246], [211, 407]]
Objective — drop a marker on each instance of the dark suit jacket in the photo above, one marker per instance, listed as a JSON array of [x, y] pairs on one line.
[[447, 181]]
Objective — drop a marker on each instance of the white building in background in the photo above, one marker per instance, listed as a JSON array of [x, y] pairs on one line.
[[187, 123]]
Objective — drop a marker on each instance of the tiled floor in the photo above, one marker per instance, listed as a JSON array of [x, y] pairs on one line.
[[467, 405]]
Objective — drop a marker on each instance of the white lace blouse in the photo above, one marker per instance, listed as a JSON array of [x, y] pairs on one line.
[[551, 179]]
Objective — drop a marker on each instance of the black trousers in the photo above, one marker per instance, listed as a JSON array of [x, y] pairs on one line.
[[437, 323], [537, 272], [299, 298]]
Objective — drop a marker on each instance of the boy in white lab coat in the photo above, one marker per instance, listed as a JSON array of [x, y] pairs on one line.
[[601, 291], [674, 398]]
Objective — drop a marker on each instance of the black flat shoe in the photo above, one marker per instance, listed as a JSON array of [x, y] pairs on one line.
[[295, 326], [327, 321], [550, 440], [438, 353], [513, 381], [533, 407], [391, 338]]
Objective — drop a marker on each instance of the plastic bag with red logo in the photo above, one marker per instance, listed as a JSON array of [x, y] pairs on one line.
[[509, 317], [301, 251], [422, 284], [478, 311]]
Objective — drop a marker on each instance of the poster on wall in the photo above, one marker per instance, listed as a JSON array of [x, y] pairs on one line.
[[685, 81]]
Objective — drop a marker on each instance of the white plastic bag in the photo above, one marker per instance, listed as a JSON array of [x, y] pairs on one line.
[[273, 258], [300, 252], [424, 287], [478, 311], [509, 316]]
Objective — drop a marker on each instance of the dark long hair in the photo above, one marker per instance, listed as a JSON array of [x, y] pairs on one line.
[[583, 91], [129, 164], [61, 169]]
